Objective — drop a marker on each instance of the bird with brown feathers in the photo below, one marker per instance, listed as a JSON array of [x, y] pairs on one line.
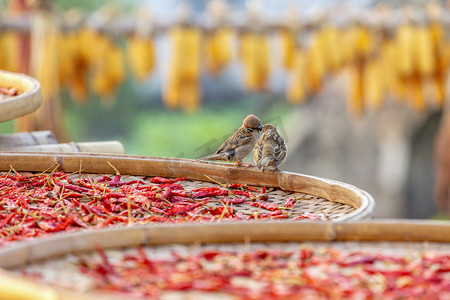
[[270, 149], [239, 145]]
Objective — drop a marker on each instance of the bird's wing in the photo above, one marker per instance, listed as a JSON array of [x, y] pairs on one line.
[[280, 148], [258, 149], [239, 138]]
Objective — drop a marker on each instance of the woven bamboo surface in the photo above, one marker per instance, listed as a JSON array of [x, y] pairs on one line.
[[334, 200], [306, 203], [28, 100], [57, 255]]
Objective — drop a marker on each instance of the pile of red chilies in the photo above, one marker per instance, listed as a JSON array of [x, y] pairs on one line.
[[37, 204], [277, 274], [9, 91]]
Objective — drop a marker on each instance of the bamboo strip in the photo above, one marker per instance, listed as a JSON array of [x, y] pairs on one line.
[[87, 147], [22, 139], [394, 230]]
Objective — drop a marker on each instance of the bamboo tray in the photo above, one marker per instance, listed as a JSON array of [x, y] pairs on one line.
[[336, 201], [383, 236], [28, 100]]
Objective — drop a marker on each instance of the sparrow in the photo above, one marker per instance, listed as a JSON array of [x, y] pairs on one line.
[[270, 149], [239, 145]]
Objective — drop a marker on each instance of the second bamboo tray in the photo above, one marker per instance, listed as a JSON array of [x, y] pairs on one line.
[[59, 252]]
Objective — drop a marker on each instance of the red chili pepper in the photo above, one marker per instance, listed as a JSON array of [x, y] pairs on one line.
[[289, 203], [49, 227], [7, 219], [165, 180], [172, 186], [307, 217], [268, 206], [9, 91], [182, 209], [276, 214], [157, 210], [235, 185], [234, 200], [180, 193], [208, 192], [244, 193], [217, 211], [72, 187]]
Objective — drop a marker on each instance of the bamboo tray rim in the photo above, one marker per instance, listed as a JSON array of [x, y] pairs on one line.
[[24, 103], [328, 189], [392, 230]]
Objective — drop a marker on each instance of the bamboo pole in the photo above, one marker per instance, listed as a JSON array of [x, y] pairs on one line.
[[22, 139], [87, 147]]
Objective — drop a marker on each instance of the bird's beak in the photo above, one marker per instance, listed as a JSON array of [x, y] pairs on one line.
[[260, 128]]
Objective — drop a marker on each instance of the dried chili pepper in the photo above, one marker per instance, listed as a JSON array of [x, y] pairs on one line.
[[208, 192], [268, 206], [9, 91], [244, 193], [234, 200], [307, 217], [165, 180], [289, 203]]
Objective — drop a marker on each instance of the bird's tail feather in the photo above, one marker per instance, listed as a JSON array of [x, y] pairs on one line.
[[212, 157]]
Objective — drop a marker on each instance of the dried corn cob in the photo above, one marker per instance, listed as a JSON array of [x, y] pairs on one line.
[[182, 88]]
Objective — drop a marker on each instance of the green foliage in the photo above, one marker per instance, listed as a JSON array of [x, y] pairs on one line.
[[7, 127]]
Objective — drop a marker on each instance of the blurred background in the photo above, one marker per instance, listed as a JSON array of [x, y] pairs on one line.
[[357, 88]]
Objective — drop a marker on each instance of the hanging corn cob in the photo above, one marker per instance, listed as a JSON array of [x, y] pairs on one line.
[[74, 57], [255, 55], [328, 45], [255, 52], [296, 89], [140, 48], [106, 60], [373, 84], [293, 58], [288, 37], [182, 87], [360, 46], [379, 71], [218, 49], [219, 38], [316, 60], [288, 47], [108, 69], [82, 60], [141, 56]]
